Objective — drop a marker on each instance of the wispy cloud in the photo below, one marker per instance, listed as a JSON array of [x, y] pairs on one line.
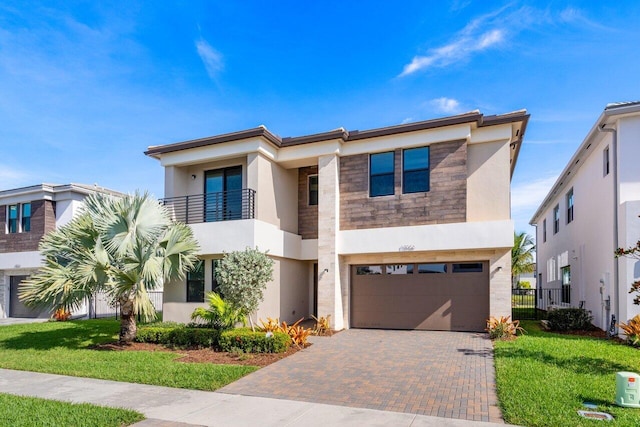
[[493, 30], [529, 195], [407, 120], [445, 105], [211, 58], [11, 178]]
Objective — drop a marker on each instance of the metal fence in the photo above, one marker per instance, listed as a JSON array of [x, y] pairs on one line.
[[101, 306], [534, 303], [212, 207]]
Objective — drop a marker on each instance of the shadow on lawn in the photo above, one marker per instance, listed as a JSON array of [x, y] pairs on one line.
[[72, 335], [579, 365]]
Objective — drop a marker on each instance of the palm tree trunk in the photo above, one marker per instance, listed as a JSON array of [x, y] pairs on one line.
[[128, 328]]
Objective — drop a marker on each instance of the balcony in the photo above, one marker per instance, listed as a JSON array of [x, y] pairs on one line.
[[212, 207]]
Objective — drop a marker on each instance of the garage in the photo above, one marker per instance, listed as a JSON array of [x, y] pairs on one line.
[[16, 307], [448, 296]]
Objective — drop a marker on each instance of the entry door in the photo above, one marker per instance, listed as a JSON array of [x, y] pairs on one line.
[[16, 307], [223, 194]]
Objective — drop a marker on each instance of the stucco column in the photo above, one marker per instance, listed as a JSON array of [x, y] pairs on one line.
[[500, 283], [329, 288]]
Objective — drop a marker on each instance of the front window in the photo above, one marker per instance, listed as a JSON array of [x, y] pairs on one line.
[[215, 286], [381, 173], [556, 219], [26, 217], [468, 267], [566, 284], [13, 219], [195, 283], [313, 190], [415, 170], [223, 194], [570, 206]]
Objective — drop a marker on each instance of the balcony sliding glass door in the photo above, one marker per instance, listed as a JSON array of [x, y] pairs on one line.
[[223, 194]]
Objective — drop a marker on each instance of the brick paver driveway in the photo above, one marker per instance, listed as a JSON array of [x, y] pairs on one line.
[[445, 374]]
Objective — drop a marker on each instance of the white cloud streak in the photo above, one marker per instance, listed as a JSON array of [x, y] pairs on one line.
[[12, 178], [211, 58], [493, 30], [529, 195], [445, 105]]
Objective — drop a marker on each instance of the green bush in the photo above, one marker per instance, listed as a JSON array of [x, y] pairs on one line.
[[569, 319], [178, 336], [247, 341]]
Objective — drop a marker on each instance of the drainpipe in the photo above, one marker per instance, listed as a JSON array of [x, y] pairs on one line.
[[616, 245]]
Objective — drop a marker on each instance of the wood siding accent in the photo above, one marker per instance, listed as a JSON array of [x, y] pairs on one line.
[[43, 220], [446, 202], [307, 215]]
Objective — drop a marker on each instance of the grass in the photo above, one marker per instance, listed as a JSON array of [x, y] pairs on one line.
[[19, 411], [543, 378], [65, 348]]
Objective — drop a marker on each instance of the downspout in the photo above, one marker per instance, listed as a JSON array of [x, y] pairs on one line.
[[616, 245]]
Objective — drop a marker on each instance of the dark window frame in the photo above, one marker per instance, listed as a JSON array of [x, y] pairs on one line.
[[566, 284], [222, 205], [193, 281], [556, 219], [406, 171], [387, 175], [471, 267], [311, 199], [544, 230], [605, 161], [570, 202], [13, 221], [25, 220], [215, 286]]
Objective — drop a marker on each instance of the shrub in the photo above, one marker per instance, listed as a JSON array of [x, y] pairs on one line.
[[632, 331], [61, 315], [569, 319], [322, 326], [502, 328], [247, 341], [179, 336], [220, 315]]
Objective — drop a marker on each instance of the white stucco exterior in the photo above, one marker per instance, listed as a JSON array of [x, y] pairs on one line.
[[586, 244]]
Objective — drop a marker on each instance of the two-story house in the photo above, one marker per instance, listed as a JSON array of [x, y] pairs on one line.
[[591, 210], [403, 227], [27, 214]]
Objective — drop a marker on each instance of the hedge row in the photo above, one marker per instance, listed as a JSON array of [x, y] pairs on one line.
[[241, 339]]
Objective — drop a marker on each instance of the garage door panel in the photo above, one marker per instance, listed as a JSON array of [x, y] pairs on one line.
[[436, 301]]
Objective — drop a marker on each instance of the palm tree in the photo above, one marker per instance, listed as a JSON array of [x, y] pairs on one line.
[[121, 246], [521, 256]]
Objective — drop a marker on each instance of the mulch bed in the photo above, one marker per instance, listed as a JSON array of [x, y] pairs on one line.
[[204, 355]]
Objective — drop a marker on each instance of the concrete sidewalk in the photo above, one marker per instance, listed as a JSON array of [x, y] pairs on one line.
[[172, 407]]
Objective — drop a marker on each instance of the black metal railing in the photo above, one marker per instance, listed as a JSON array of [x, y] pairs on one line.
[[534, 303], [212, 207]]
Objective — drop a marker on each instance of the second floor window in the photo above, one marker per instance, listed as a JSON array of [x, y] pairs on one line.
[[26, 217], [556, 219], [415, 170], [605, 162], [13, 219], [570, 206], [544, 230], [313, 190], [381, 174]]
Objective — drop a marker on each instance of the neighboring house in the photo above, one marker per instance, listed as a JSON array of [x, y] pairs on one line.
[[592, 209], [27, 214], [403, 227]]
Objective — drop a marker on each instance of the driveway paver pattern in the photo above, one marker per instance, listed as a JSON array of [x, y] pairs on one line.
[[444, 374]]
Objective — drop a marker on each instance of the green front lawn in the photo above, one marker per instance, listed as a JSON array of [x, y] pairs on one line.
[[65, 348], [543, 379], [18, 411]]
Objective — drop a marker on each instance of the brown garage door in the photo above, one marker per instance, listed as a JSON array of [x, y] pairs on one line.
[[16, 307], [429, 296]]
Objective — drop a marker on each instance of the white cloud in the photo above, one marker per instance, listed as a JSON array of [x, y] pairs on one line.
[[12, 178], [445, 105], [492, 30], [407, 120], [211, 58], [529, 195]]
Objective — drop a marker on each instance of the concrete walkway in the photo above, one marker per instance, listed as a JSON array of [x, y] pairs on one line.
[[171, 407], [444, 374]]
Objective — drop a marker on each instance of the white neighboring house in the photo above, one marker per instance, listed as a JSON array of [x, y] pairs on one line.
[[27, 214], [592, 209], [404, 227]]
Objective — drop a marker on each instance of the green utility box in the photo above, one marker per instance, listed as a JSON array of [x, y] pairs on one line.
[[628, 389]]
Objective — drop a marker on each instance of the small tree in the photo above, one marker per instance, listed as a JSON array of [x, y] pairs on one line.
[[631, 252], [243, 276]]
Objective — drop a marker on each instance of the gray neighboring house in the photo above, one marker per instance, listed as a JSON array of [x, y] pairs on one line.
[[27, 214]]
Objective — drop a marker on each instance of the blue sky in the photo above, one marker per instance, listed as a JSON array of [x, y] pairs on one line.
[[85, 87]]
